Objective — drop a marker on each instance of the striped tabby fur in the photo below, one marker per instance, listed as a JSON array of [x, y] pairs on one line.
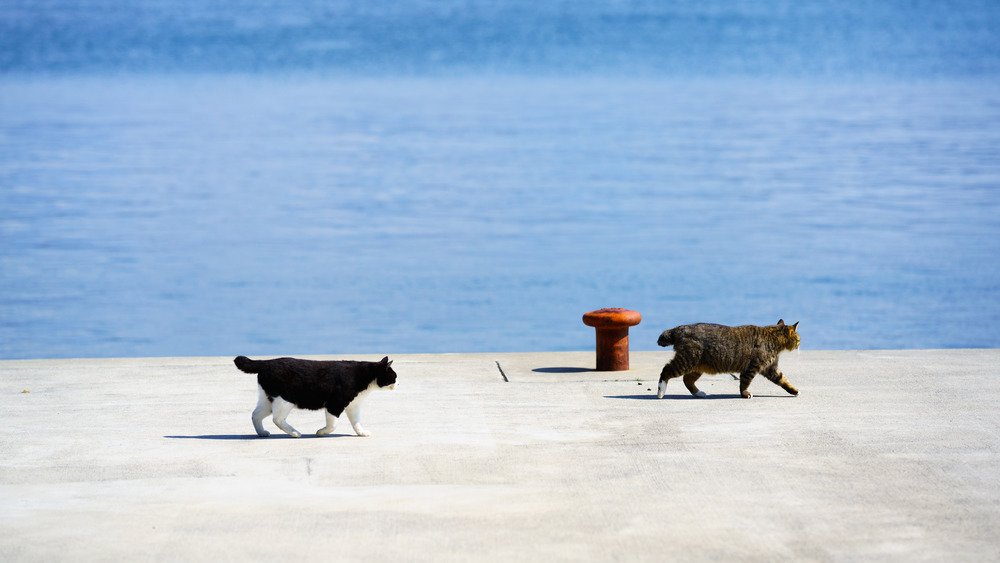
[[711, 348]]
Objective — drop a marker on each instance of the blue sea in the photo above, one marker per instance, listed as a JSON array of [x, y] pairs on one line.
[[212, 178]]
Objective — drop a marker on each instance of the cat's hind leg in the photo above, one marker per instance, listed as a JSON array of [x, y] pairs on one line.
[[669, 372], [281, 408], [774, 374], [260, 413], [689, 380], [331, 421], [684, 361]]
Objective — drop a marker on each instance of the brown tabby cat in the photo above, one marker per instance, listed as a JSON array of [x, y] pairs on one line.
[[711, 348]]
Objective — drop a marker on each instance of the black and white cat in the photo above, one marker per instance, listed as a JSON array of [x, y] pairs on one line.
[[337, 386]]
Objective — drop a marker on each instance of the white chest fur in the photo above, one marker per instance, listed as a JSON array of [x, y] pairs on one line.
[[356, 402], [353, 411]]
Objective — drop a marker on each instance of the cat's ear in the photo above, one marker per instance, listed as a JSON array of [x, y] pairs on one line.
[[386, 361], [794, 326], [781, 322]]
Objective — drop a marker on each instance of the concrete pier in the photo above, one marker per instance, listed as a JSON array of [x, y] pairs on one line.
[[885, 455]]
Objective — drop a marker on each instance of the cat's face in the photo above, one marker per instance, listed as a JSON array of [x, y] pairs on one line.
[[388, 378], [791, 335]]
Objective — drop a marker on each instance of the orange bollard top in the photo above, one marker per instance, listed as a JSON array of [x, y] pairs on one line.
[[612, 318]]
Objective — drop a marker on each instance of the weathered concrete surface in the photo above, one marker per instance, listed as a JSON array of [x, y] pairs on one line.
[[886, 455]]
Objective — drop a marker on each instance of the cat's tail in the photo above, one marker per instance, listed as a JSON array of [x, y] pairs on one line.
[[245, 364], [668, 338]]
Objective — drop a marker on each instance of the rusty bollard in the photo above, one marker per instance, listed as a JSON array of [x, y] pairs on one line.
[[612, 336]]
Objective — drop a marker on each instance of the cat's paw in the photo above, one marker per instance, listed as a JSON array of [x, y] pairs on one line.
[[701, 394], [747, 395], [324, 431], [263, 433], [295, 434], [661, 389]]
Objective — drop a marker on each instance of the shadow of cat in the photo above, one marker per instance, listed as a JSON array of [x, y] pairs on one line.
[[652, 396], [251, 436], [562, 370]]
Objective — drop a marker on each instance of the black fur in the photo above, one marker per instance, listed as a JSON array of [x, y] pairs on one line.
[[314, 385]]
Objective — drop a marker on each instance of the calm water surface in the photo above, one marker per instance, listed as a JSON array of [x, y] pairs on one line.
[[162, 197]]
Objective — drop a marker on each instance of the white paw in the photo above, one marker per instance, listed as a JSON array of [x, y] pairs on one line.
[[263, 433], [362, 433], [701, 394], [661, 389], [323, 431], [295, 434]]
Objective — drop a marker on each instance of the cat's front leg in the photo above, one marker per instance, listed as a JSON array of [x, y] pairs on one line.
[[331, 421], [354, 415], [775, 375]]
